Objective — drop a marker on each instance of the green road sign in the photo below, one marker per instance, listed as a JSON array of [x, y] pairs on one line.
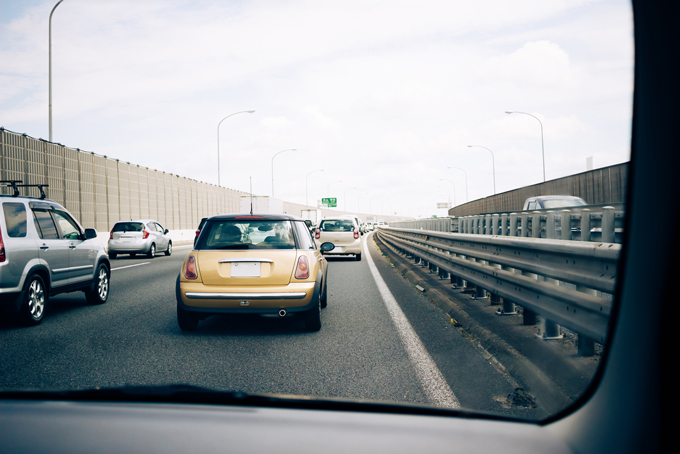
[[330, 202]]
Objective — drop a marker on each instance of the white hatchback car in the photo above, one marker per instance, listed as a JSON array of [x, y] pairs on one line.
[[343, 232]]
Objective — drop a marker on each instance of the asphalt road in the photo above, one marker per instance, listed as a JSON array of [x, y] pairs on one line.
[[360, 353]]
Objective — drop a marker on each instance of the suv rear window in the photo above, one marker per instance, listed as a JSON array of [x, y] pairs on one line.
[[237, 234], [337, 225], [15, 219], [128, 227]]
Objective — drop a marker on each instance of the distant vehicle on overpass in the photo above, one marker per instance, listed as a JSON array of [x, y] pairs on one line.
[[547, 202]]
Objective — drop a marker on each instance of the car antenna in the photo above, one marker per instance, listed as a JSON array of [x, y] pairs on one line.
[[251, 196]]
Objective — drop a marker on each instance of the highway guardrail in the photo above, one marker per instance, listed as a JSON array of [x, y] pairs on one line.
[[567, 283]]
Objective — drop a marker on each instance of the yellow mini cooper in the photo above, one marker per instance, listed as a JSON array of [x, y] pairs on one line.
[[265, 264]]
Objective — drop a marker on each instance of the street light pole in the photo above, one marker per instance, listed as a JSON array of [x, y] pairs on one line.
[[50, 66], [328, 188], [542, 148], [447, 190], [307, 185], [466, 185], [275, 155], [453, 183], [344, 199], [218, 141], [493, 162]]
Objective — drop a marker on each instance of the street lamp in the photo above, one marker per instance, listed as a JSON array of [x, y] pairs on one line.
[[466, 185], [290, 149], [218, 141], [307, 185], [454, 189], [328, 188], [542, 148], [50, 66], [493, 162], [344, 199]]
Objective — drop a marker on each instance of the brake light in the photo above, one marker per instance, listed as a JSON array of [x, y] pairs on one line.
[[145, 234], [317, 233], [2, 248], [111, 235], [197, 232], [356, 234], [302, 271], [190, 272]]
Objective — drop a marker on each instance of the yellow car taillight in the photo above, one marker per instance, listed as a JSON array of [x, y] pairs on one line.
[[190, 272], [302, 270]]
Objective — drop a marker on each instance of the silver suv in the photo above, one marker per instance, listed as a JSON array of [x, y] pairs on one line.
[[52, 254], [144, 236]]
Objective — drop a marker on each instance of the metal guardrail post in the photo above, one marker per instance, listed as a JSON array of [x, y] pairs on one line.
[[549, 329], [495, 220], [586, 346], [508, 306], [565, 224], [525, 225], [512, 231], [585, 224], [488, 229], [608, 225], [536, 224], [504, 224]]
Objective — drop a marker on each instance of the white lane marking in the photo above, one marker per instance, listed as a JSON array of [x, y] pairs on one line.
[[130, 266], [182, 247], [431, 379]]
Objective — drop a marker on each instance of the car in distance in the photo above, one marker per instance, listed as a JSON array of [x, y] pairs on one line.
[[144, 236], [44, 252], [265, 264], [198, 230], [343, 232], [551, 202]]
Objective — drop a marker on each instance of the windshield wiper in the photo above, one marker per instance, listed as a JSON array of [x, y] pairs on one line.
[[189, 394]]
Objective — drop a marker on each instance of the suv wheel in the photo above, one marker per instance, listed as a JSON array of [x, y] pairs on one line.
[[35, 297], [358, 257], [186, 320], [169, 251], [152, 251], [101, 286]]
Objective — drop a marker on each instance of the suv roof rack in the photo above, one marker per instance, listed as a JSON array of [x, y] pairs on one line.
[[39, 186], [11, 184], [15, 186]]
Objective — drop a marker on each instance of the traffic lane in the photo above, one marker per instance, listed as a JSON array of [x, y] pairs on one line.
[[134, 339], [52, 355], [475, 382]]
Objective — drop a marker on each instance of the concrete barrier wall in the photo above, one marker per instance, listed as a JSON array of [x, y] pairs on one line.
[[596, 187], [100, 191]]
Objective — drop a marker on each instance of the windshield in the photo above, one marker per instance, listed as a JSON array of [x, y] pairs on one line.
[[128, 227], [428, 123], [561, 203], [246, 235], [337, 225]]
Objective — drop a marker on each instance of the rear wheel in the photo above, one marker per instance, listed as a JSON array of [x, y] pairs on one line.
[[313, 317], [169, 251], [324, 297], [101, 286], [186, 320], [35, 298], [358, 257], [152, 251]]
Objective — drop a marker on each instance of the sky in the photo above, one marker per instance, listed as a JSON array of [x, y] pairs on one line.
[[384, 96]]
